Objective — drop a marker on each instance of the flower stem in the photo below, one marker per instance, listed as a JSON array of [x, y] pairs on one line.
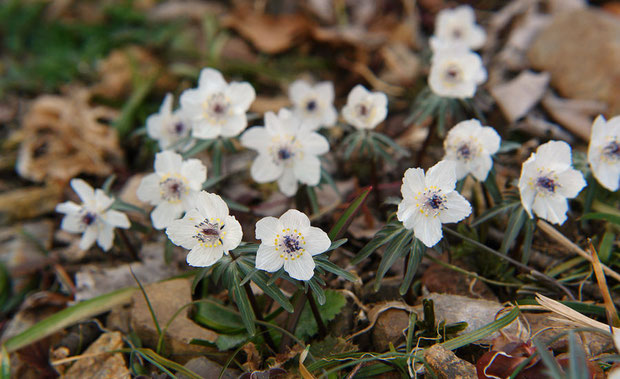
[[293, 320], [132, 250], [317, 315]]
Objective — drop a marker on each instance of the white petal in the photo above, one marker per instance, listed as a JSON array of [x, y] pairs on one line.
[[72, 223], [571, 182], [461, 169], [202, 129], [528, 195], [308, 170], [264, 169], [527, 191], [274, 124], [599, 131], [233, 235], [266, 230], [554, 155], [489, 139], [413, 182], [117, 219], [406, 213], [242, 95], [457, 208], [288, 182], [85, 192], [211, 79], [608, 175], [256, 138], [314, 143], [428, 230], [442, 175], [168, 162], [89, 237], [357, 94], [164, 213], [301, 268], [298, 91], [481, 167], [317, 241], [102, 200], [195, 172], [268, 259], [234, 125], [210, 205], [105, 237], [379, 101], [154, 126], [551, 208], [295, 219], [148, 190], [476, 37], [201, 256], [330, 116], [181, 232], [325, 91], [68, 207]]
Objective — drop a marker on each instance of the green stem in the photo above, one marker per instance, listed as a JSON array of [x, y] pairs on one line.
[[317, 315]]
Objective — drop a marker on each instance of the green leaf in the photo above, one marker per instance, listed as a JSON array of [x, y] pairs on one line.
[[5, 364], [218, 317], [226, 342], [548, 360], [314, 203], [494, 212], [307, 326], [391, 143], [69, 316], [335, 269], [236, 206], [395, 249], [416, 253], [490, 183], [120, 205], [515, 224], [336, 244], [243, 303], [317, 289], [605, 248], [262, 281], [341, 226], [383, 236], [613, 218], [578, 367], [198, 147], [526, 250]]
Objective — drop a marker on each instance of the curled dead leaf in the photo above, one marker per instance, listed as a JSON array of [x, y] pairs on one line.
[[64, 136]]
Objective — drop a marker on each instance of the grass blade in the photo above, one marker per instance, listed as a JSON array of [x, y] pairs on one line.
[[393, 251], [515, 224], [341, 226], [69, 316], [415, 257], [550, 363]]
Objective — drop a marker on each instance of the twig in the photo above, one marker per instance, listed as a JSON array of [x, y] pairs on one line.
[[612, 315], [520, 265], [559, 237]]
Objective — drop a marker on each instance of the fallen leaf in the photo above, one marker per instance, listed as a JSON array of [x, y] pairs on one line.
[[516, 97]]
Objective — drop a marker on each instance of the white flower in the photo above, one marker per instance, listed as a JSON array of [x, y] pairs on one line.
[[365, 109], [207, 230], [287, 152], [291, 242], [171, 187], [470, 145], [216, 108], [604, 152], [547, 180], [93, 218], [431, 200], [168, 127], [313, 104], [455, 27], [456, 73]]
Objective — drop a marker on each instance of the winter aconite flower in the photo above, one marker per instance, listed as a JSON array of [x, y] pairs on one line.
[[365, 109], [171, 187], [456, 73], [287, 152], [207, 230], [291, 242], [470, 145], [604, 152], [168, 127], [457, 27], [431, 200], [93, 217], [216, 108], [313, 104], [547, 180]]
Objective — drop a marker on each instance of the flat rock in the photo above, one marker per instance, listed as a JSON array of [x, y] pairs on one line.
[[166, 298], [581, 51], [446, 365], [440, 279], [102, 366]]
